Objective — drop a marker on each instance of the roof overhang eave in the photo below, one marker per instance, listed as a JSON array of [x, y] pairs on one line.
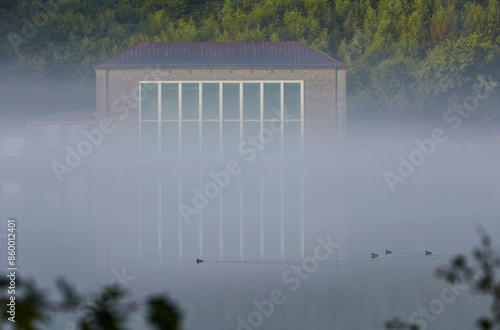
[[166, 67]]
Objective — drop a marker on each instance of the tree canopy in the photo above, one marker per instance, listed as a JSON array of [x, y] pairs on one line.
[[408, 59]]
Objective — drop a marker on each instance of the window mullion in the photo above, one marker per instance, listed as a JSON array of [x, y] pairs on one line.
[[282, 112], [140, 120], [159, 119], [220, 119], [241, 113], [261, 113], [179, 153], [200, 118], [302, 119]]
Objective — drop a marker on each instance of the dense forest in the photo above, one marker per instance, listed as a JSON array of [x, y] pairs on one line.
[[408, 59]]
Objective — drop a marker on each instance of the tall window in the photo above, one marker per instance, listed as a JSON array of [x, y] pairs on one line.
[[150, 124], [211, 107], [211, 119], [169, 129]]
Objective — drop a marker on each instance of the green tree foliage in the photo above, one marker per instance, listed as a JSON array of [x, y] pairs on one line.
[[452, 68], [108, 309], [480, 274], [393, 81], [28, 306], [449, 43], [443, 27]]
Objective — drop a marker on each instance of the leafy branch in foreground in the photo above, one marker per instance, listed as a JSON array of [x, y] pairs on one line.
[[108, 309], [397, 324], [480, 275]]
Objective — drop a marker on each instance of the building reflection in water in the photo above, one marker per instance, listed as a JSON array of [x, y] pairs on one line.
[[195, 212], [196, 215]]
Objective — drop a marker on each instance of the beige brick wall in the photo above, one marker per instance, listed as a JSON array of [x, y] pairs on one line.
[[341, 104], [322, 121]]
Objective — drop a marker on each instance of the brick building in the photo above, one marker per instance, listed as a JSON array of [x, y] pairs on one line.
[[221, 99]]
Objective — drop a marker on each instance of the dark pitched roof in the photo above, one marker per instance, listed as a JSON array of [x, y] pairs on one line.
[[221, 54]]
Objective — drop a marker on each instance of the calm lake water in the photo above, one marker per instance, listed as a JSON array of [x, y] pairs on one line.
[[264, 236]]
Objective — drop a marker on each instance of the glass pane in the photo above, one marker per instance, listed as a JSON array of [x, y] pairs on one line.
[[292, 139], [271, 101], [210, 139], [170, 101], [251, 130], [190, 101], [190, 131], [170, 139], [271, 139], [231, 101], [292, 100], [149, 101], [149, 139], [251, 101], [231, 139], [210, 101]]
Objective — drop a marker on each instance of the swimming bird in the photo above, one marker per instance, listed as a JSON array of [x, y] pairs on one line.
[[374, 255], [199, 261], [388, 252], [427, 253]]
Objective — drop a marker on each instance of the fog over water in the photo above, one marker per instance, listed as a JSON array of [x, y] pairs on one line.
[[304, 228]]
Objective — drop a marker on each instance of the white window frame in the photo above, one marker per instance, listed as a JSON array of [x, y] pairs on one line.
[[221, 120]]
